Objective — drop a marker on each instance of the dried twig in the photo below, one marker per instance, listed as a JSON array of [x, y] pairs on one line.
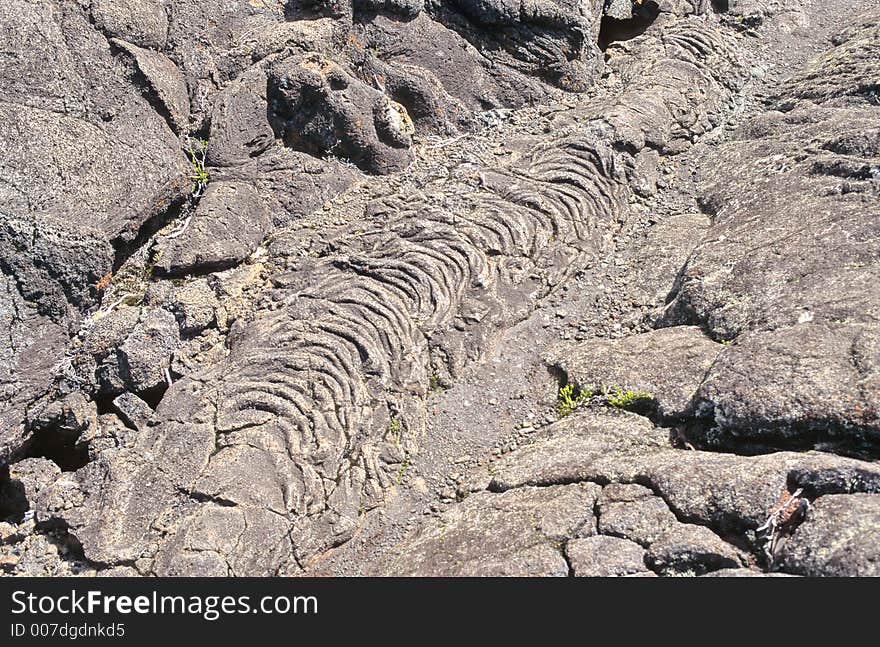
[[780, 518], [115, 304], [178, 232]]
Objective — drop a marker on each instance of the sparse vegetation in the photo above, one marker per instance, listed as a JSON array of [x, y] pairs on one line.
[[570, 398], [435, 385], [129, 284], [401, 473], [624, 398], [197, 150]]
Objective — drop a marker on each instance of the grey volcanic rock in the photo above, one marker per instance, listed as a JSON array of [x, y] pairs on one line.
[[240, 126], [210, 41], [117, 429], [132, 410], [98, 351], [809, 384], [305, 421], [666, 247], [56, 266], [29, 354], [195, 305], [634, 513], [799, 297], [54, 124], [580, 447], [145, 354], [691, 549], [549, 38], [243, 373], [87, 165], [165, 81], [509, 534], [228, 224], [142, 22], [35, 475], [727, 493], [318, 107], [601, 556], [291, 184]]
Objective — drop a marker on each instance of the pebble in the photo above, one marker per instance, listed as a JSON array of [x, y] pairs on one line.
[[447, 494], [7, 530]]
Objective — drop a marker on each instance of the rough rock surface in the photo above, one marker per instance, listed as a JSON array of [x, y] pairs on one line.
[[602, 556], [293, 287], [516, 533], [318, 107], [838, 538], [227, 226], [666, 500]]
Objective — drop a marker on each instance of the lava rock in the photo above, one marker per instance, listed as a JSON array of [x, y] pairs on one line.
[[601, 556], [227, 226], [634, 513], [319, 107], [145, 354], [693, 550], [165, 80], [240, 127], [195, 305], [839, 537], [132, 410], [507, 534], [142, 22]]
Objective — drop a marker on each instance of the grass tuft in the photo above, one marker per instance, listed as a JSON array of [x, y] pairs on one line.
[[570, 398]]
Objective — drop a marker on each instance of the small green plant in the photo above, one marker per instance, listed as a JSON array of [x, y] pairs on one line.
[[570, 398], [153, 257], [434, 384], [197, 152], [624, 398], [395, 431], [403, 467]]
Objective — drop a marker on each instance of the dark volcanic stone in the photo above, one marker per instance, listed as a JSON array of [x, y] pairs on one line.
[[228, 224], [605, 557], [840, 536]]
